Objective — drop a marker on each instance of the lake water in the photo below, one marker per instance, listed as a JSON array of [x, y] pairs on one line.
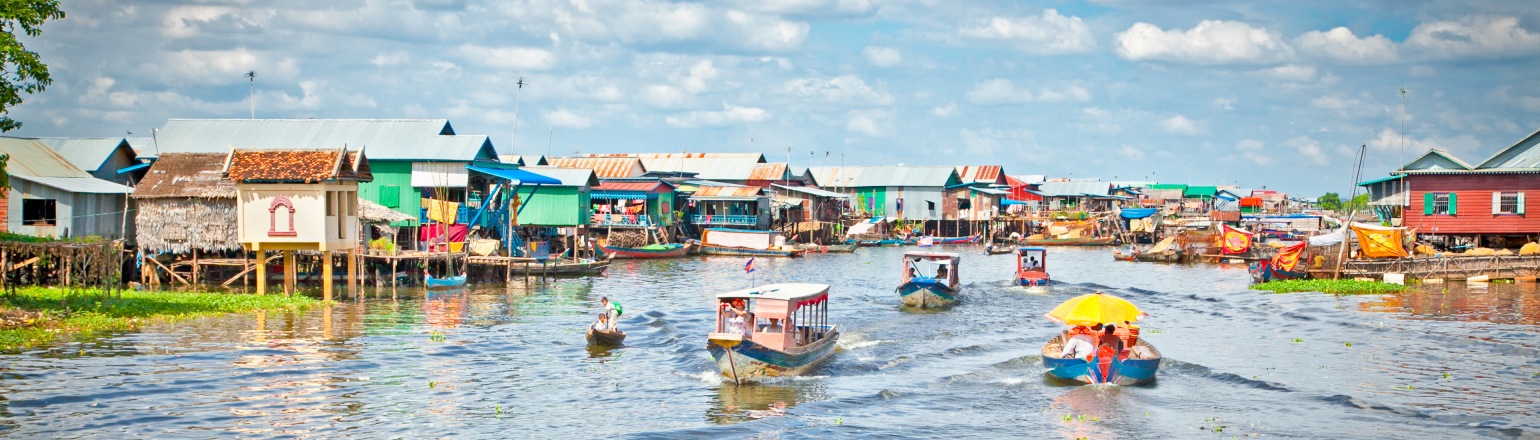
[[1440, 362]]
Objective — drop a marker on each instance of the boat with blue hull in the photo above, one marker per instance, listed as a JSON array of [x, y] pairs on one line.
[[745, 242], [443, 283], [1032, 266], [772, 330], [929, 279], [1135, 366]]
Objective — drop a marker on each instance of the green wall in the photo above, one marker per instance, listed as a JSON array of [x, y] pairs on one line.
[[554, 206], [655, 210], [396, 174]]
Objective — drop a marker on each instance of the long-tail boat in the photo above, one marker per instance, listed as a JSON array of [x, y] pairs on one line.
[[785, 331], [930, 279]]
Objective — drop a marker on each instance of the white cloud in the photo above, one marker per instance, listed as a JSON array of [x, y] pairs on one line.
[[1390, 140], [387, 59], [566, 118], [1250, 145], [1179, 125], [1339, 44], [699, 74], [811, 8], [1481, 37], [664, 96], [512, 58], [1131, 153], [658, 24], [1308, 148], [227, 66], [882, 56], [874, 123], [1211, 42], [944, 111], [1290, 73], [1002, 91], [729, 115], [1225, 103], [1047, 33], [843, 89]]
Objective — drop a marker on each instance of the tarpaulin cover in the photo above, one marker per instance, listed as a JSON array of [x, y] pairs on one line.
[[1234, 241], [738, 239], [1326, 239], [1379, 241], [431, 233], [1132, 213]]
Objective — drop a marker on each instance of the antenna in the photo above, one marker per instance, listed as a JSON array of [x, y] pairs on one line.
[[514, 144], [251, 77], [550, 132], [1406, 199]]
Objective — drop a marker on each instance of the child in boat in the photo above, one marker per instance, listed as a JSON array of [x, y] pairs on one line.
[[604, 323], [613, 309]]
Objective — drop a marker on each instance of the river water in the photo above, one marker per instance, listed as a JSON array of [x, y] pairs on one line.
[[1441, 362]]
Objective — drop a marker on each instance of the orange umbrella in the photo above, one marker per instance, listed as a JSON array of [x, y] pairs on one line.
[[1095, 308]]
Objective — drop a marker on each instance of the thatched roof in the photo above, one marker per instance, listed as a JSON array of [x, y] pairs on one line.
[[374, 212], [193, 175]]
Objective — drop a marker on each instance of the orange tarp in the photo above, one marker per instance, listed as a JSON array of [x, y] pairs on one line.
[[1379, 242]]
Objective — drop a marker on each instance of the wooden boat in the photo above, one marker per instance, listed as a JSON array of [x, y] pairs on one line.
[[743, 242], [998, 249], [975, 238], [443, 283], [930, 279], [788, 331], [1136, 366], [883, 242], [827, 248], [663, 251], [1121, 255], [605, 338], [1032, 266], [1083, 241], [562, 268]]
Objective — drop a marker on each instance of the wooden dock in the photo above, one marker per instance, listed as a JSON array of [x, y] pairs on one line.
[[1448, 268]]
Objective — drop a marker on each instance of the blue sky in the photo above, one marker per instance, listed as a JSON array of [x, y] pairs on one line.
[[1274, 94]]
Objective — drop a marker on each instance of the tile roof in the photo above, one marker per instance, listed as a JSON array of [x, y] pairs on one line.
[[298, 166], [604, 167]]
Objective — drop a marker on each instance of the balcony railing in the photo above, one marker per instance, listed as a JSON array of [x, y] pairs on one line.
[[621, 220], [747, 220]]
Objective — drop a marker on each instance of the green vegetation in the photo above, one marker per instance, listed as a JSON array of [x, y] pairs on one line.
[[1332, 201], [37, 315], [1338, 287]]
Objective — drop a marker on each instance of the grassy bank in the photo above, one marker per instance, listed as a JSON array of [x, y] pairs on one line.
[[37, 316], [1338, 287]]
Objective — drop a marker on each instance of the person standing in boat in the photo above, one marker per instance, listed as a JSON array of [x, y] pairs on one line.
[[611, 308]]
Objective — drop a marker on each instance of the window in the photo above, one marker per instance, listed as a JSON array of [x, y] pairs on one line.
[[964, 204], [1439, 203], [39, 212], [930, 205], [1509, 202]]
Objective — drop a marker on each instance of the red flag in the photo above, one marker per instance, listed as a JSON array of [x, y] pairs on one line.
[[749, 267]]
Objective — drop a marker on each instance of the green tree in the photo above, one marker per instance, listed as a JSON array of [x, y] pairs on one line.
[[1359, 203], [1330, 201], [22, 72]]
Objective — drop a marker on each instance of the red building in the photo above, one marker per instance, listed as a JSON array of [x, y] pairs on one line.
[[1495, 198]]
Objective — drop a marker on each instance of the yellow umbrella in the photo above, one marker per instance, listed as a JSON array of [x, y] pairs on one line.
[[1095, 308]]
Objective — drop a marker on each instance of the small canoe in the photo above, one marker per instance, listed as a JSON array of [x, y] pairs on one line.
[[997, 249], [1122, 256], [827, 248], [443, 283], [664, 251], [605, 339], [975, 238], [561, 268], [1136, 367]]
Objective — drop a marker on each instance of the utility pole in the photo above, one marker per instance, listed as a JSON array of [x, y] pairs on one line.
[[251, 78], [513, 144]]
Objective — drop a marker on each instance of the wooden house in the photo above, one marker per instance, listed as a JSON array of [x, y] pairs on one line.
[[564, 204], [185, 204], [902, 192], [51, 197], [632, 203], [298, 200], [409, 158], [722, 205], [1495, 198]]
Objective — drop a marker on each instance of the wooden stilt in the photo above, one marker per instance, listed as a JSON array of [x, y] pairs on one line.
[[195, 267], [326, 276], [352, 273], [288, 272], [393, 261], [261, 272]]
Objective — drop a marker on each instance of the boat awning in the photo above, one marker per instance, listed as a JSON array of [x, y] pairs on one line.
[[132, 168], [520, 176], [813, 191], [1009, 202]]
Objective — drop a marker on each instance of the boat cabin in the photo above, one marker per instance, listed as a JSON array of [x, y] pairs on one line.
[[781, 317], [940, 266], [1032, 259]]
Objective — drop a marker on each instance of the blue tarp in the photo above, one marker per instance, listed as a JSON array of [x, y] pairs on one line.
[[133, 168], [1009, 202], [520, 176], [1137, 213]]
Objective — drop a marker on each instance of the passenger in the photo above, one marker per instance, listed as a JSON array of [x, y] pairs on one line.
[[604, 323], [773, 327], [613, 309], [941, 273], [1109, 338], [736, 319], [913, 272], [1079, 344]]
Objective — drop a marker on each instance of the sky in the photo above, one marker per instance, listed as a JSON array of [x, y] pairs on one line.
[[1231, 92]]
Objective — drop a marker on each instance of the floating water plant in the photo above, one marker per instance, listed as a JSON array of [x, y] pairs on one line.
[[1338, 287], [49, 314], [1297, 340], [1349, 344], [437, 336]]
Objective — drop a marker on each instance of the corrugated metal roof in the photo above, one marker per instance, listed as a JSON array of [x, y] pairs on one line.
[[87, 153], [1030, 179], [632, 186], [84, 185], [813, 191], [604, 167], [1200, 191], [979, 173], [1522, 155], [769, 171], [523, 159], [726, 192], [738, 168], [886, 176], [1436, 159], [991, 191], [141, 144], [567, 176], [1073, 189], [422, 140], [32, 158]]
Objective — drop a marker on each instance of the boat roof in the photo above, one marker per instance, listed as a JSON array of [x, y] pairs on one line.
[[931, 255], [1034, 248], [780, 291]]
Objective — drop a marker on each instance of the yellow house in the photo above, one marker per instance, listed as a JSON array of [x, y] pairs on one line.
[[298, 200]]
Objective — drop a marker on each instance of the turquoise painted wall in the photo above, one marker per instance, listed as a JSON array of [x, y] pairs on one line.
[[393, 178], [554, 206]]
